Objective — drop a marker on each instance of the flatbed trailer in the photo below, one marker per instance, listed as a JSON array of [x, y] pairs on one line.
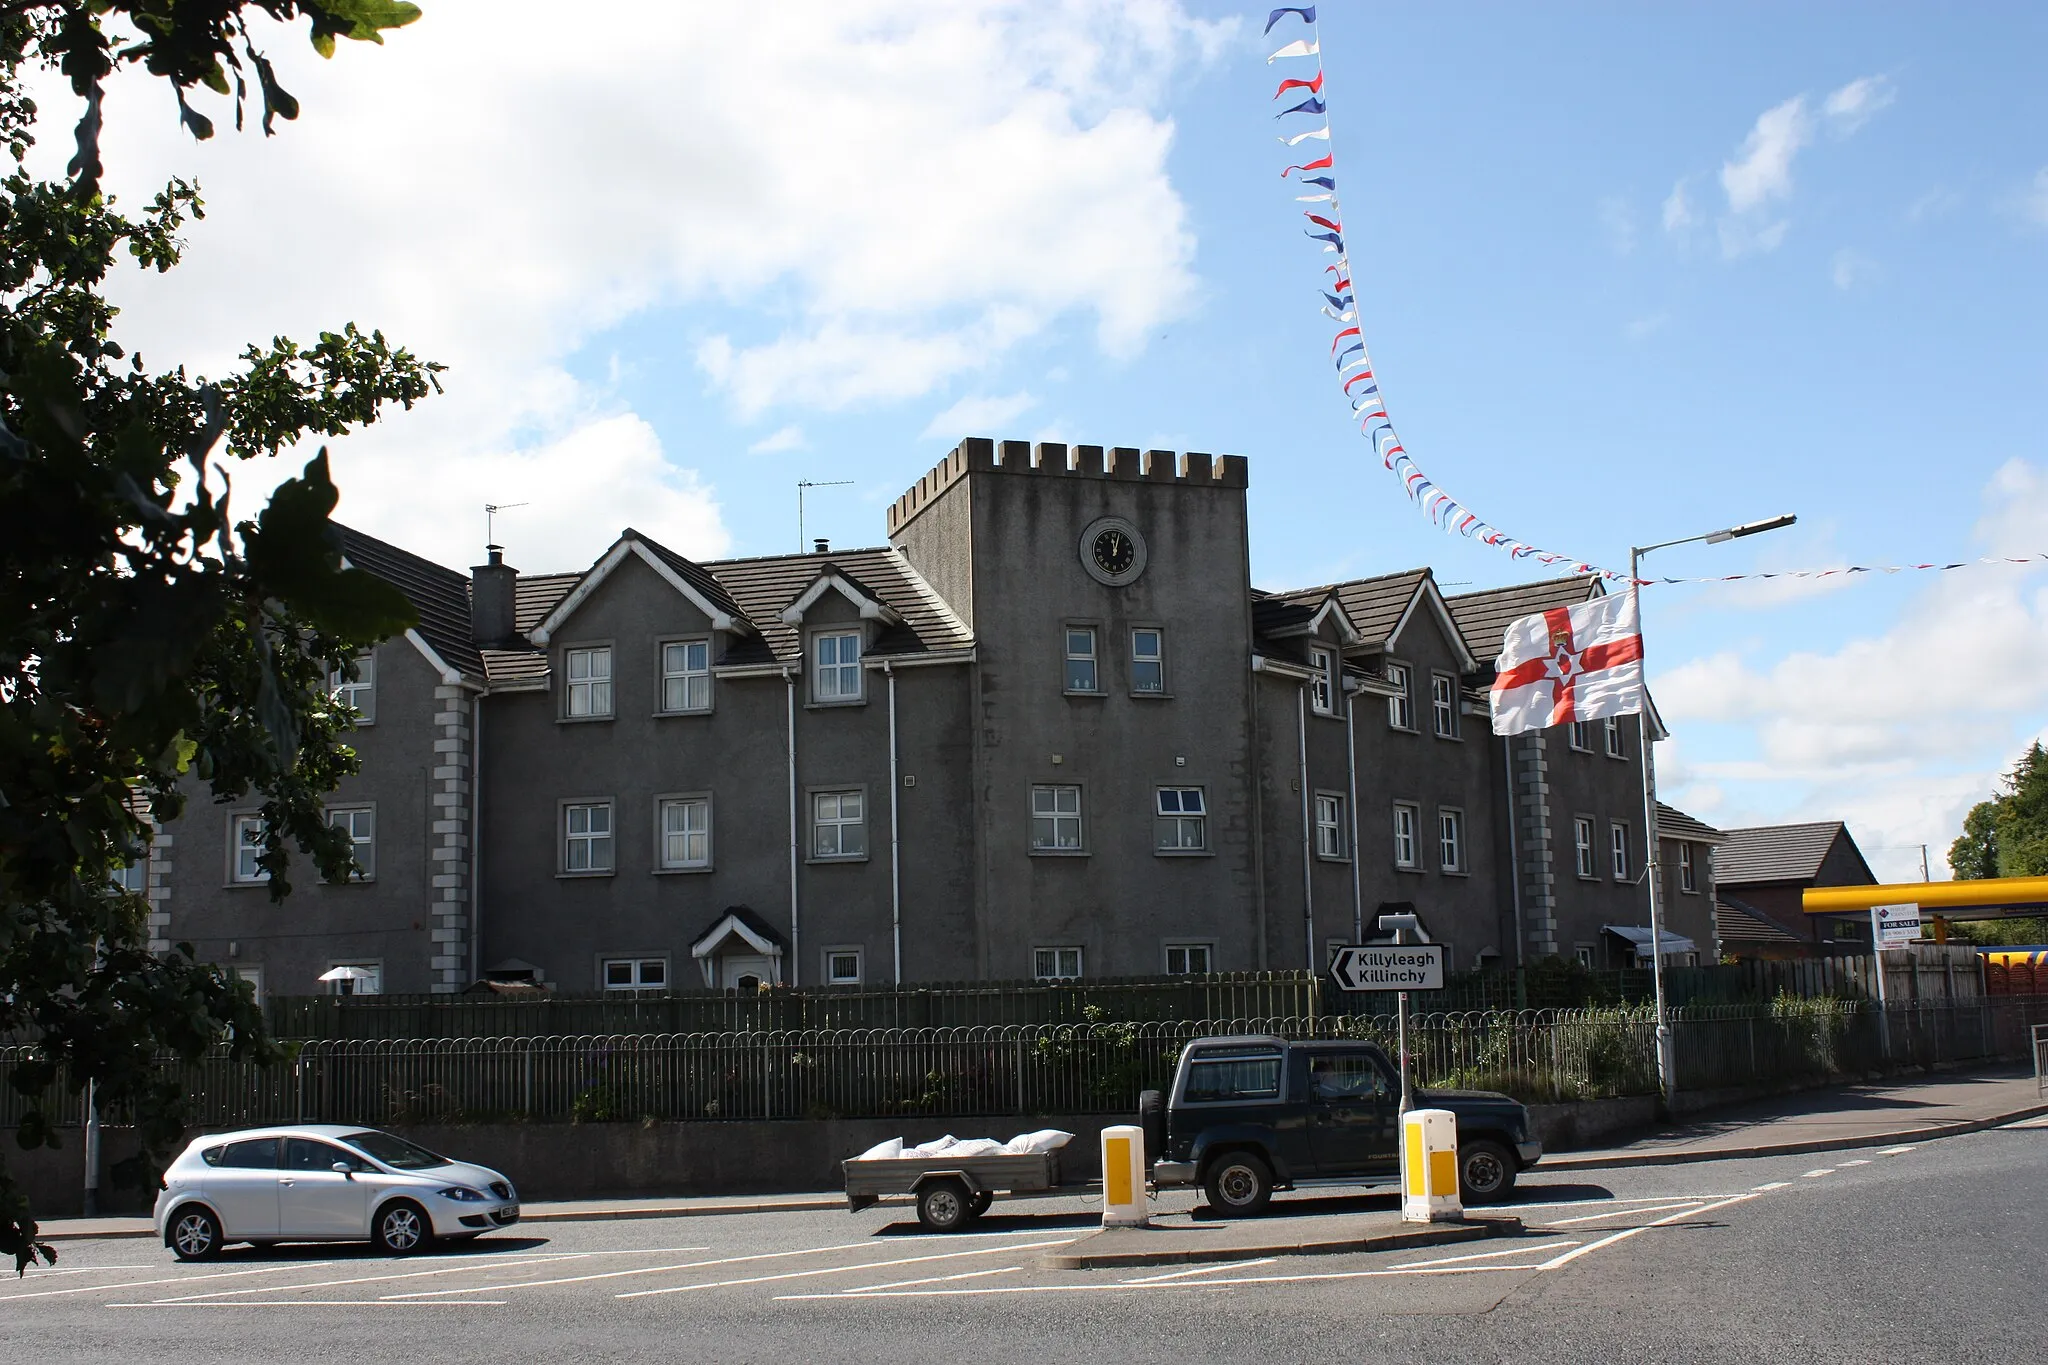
[[953, 1191]]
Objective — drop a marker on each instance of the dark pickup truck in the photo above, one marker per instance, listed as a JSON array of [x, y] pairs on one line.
[[1252, 1114]]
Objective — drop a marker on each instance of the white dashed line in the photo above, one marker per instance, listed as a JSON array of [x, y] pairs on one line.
[[1568, 1257], [1490, 1255], [1815, 1175], [1774, 1185], [1859, 1161], [1623, 1213], [324, 1303], [859, 1290], [1897, 1151], [840, 1269], [1200, 1270]]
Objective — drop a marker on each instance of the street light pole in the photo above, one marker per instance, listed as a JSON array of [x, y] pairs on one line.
[[1667, 1072]]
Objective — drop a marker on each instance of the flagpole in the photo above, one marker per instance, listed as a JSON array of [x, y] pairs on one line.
[[1654, 868]]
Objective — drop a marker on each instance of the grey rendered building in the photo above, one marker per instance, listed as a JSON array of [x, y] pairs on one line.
[[1050, 729]]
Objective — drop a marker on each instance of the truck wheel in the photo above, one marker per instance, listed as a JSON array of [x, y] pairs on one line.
[[1486, 1172], [1239, 1185], [1152, 1118], [945, 1205]]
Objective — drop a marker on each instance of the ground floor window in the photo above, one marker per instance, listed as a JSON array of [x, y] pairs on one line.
[[1056, 964], [630, 975], [354, 978], [1188, 959], [842, 966]]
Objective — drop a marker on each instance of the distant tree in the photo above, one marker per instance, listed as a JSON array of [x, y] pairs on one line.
[[1974, 856], [153, 640], [2007, 836]]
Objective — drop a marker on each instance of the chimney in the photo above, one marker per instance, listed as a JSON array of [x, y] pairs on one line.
[[821, 546], [491, 596]]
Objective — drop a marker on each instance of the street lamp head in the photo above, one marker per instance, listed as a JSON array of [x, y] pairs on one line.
[[1751, 528]]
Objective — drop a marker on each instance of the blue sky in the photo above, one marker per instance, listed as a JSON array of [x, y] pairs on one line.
[[1626, 276]]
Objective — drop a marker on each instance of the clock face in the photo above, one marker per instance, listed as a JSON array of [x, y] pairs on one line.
[[1115, 551]]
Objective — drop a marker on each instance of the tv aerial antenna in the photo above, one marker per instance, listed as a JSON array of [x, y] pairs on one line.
[[491, 510], [801, 486]]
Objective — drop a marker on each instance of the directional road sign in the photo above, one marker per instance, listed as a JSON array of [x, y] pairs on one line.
[[1389, 967]]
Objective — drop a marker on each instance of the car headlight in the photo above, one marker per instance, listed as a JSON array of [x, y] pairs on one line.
[[462, 1194]]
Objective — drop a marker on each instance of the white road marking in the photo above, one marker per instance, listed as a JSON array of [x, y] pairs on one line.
[[175, 1279], [371, 1279], [1859, 1161], [1897, 1151], [2038, 1121], [44, 1273], [1623, 1213], [1568, 1257], [1815, 1175], [324, 1303], [1632, 1199], [687, 1265], [1200, 1270], [1122, 1288], [840, 1269], [1774, 1185], [861, 1289], [1491, 1255]]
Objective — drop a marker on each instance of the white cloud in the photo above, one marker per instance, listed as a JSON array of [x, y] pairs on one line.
[[2034, 203], [1851, 268], [1763, 170], [782, 438], [1852, 106], [1938, 202], [1678, 214], [893, 191], [979, 415], [1641, 329]]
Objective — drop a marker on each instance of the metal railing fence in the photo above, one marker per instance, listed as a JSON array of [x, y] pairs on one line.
[[1014, 1070]]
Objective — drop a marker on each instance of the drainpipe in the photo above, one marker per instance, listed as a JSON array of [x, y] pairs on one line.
[[1507, 750], [895, 833], [795, 945], [1351, 768], [1308, 883], [476, 829]]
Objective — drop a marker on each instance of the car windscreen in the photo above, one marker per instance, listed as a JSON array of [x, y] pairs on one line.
[[396, 1152], [1232, 1078]]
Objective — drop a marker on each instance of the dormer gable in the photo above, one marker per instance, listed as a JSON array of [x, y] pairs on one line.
[[692, 582], [832, 579], [1428, 600]]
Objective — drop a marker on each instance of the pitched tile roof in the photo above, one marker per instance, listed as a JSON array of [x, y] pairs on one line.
[[533, 597], [763, 586], [1737, 921], [696, 575], [1779, 853], [440, 595], [1673, 823], [1374, 605], [1484, 616]]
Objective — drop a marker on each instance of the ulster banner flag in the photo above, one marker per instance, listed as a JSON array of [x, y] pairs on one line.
[[1577, 663]]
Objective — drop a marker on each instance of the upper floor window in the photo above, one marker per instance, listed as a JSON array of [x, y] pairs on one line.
[[587, 836], [360, 692], [590, 681], [835, 675], [1056, 964], [686, 675], [1407, 820], [1450, 830], [132, 877], [1617, 838], [248, 849], [1615, 747], [1182, 820], [1688, 875], [1329, 825], [1582, 846], [1148, 660], [1189, 959], [633, 975], [686, 832], [1055, 819], [1322, 689], [360, 824], [1443, 704], [838, 825], [1081, 670], [1400, 706], [1581, 736]]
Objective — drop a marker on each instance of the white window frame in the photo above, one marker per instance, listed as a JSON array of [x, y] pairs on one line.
[[1050, 962], [667, 858], [835, 957], [1579, 735], [1618, 850], [1050, 817], [132, 878], [1443, 705], [1401, 706], [1188, 956], [1155, 662], [242, 853], [1408, 833], [1617, 746], [1322, 688], [830, 678], [361, 824], [830, 823], [1329, 813], [1087, 653], [375, 985], [1583, 955], [1583, 857], [359, 693], [1451, 852], [687, 681], [636, 965], [1688, 870], [1182, 812], [587, 682], [592, 840]]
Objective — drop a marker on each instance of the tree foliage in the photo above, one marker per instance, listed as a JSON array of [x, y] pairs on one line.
[[2007, 836], [156, 641]]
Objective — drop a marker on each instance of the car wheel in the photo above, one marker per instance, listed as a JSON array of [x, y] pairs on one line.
[[944, 1205], [1240, 1185], [1486, 1172], [194, 1234], [402, 1228]]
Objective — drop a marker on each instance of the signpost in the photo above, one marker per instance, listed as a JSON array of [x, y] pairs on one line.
[[1890, 926], [1407, 964]]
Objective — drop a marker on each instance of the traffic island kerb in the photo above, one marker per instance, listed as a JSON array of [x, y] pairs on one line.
[[1257, 1239]]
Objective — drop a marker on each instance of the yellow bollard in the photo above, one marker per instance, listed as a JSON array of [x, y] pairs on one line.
[[1429, 1167], [1123, 1178]]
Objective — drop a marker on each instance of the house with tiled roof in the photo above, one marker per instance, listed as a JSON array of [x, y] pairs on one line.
[[1761, 871]]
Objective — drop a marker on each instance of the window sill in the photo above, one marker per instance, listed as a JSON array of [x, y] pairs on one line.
[[682, 715], [1332, 858], [1403, 730], [585, 876], [1454, 871], [1149, 696], [584, 720], [1587, 877], [1410, 869], [683, 871], [838, 858], [1455, 739], [245, 886], [833, 705], [1073, 692], [1183, 853], [1058, 853]]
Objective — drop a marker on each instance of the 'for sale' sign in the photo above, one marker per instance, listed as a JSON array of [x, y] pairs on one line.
[[1894, 924]]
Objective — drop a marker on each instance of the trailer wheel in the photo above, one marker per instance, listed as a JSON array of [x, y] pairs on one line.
[[981, 1202], [945, 1205]]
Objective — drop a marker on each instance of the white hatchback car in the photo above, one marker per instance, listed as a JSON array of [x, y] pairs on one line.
[[324, 1183]]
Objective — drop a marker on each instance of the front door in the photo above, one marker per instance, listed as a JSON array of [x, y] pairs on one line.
[[1351, 1114], [314, 1199], [745, 973], [242, 1186]]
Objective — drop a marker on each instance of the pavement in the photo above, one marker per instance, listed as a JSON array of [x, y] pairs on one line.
[[1841, 1117]]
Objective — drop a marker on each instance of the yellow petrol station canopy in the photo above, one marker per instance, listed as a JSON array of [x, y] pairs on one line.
[[1988, 896]]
